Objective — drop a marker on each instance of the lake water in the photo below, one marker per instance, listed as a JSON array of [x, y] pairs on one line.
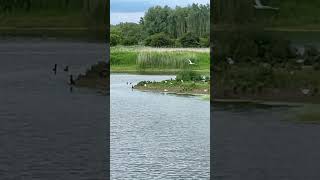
[[254, 141], [46, 131], [155, 135]]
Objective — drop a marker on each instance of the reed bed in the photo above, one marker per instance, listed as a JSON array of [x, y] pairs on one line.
[[165, 60], [152, 49]]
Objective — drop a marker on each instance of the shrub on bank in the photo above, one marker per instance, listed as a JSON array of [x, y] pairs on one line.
[[159, 40], [189, 75]]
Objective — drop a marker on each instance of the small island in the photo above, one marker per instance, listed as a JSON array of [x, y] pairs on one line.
[[177, 86]]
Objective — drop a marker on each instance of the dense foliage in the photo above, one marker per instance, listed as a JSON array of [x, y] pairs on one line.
[[291, 12], [14, 6], [87, 17], [167, 27]]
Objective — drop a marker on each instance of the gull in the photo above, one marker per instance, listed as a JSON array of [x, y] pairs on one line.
[[259, 5], [190, 62]]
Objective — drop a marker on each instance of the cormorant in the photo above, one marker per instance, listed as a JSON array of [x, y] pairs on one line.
[[66, 69], [55, 69]]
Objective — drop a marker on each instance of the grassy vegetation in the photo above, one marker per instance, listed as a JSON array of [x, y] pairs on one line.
[[139, 59], [258, 65], [308, 114], [296, 13], [53, 18], [165, 60], [96, 77]]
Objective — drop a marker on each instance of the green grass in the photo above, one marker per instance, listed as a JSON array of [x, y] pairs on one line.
[[72, 23], [308, 114], [139, 59]]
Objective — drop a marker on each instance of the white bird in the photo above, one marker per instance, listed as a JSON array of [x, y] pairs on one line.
[[305, 91], [259, 5], [300, 61], [230, 60], [190, 62]]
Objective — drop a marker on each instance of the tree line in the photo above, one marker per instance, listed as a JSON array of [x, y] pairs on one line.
[[166, 27]]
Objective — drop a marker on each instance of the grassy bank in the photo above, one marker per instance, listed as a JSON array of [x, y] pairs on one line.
[[272, 84], [146, 60], [304, 114], [176, 87], [66, 19], [186, 82], [97, 77]]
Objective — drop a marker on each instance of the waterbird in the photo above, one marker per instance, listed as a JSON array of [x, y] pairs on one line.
[[190, 62], [66, 69], [55, 69], [230, 60], [71, 80], [259, 5], [300, 61], [305, 91]]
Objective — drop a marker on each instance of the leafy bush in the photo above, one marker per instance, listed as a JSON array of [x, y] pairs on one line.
[[190, 40], [114, 39], [159, 40], [188, 75]]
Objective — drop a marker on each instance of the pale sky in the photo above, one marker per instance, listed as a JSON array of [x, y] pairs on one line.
[[132, 10]]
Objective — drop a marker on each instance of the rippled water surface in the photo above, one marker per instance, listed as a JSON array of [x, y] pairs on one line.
[[46, 131], [157, 136]]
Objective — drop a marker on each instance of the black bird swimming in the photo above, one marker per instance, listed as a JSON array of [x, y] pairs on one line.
[[55, 69], [71, 80], [66, 69]]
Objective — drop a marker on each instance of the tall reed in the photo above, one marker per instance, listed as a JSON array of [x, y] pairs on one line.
[[166, 60]]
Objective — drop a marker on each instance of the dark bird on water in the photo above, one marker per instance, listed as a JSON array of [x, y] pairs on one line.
[[71, 80], [55, 69], [66, 69]]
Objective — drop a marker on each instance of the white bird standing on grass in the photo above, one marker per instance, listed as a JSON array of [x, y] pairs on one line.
[[190, 62]]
